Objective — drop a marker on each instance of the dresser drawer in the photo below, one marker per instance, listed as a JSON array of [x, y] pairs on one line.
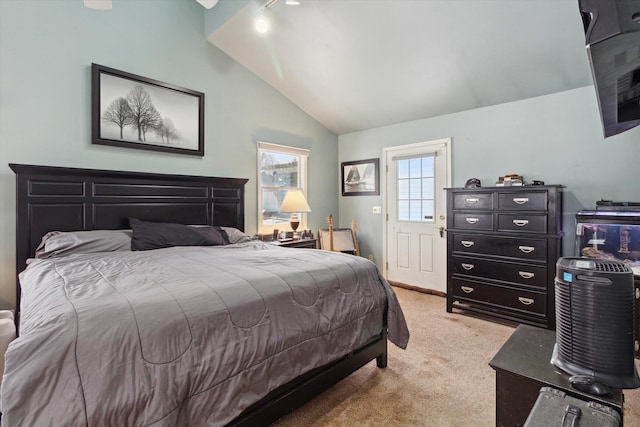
[[525, 248], [473, 201], [533, 276], [521, 201], [526, 223], [473, 221], [530, 302]]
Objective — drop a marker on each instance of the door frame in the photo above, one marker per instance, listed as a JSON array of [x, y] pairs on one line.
[[447, 142]]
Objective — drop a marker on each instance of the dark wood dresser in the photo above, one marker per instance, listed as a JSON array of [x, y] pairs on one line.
[[636, 315], [503, 244]]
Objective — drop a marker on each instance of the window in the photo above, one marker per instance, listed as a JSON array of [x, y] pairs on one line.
[[280, 168], [416, 189]]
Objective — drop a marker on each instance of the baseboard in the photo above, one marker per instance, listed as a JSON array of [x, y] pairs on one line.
[[417, 289]]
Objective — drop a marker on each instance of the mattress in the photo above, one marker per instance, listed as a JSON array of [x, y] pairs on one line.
[[184, 335]]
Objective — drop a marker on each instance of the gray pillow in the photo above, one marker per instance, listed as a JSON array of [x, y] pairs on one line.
[[62, 243], [235, 235], [156, 235]]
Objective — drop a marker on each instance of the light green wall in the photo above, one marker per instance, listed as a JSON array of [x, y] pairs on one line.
[[555, 138], [46, 51]]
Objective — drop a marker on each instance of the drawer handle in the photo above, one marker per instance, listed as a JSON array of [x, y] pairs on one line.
[[466, 289], [520, 200], [526, 301], [526, 274], [472, 200], [467, 266], [521, 222], [526, 249], [467, 243], [472, 220]]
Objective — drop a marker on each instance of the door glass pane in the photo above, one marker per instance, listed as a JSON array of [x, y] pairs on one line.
[[427, 188], [427, 166], [427, 210], [403, 189], [416, 191], [403, 169], [415, 168], [415, 210], [403, 210]]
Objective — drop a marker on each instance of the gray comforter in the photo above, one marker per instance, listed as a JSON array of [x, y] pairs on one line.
[[183, 336]]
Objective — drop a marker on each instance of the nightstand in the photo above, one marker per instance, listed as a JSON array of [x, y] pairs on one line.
[[300, 243]]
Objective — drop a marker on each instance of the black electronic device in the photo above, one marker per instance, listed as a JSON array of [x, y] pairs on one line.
[[594, 323], [286, 235], [473, 183], [612, 39], [555, 408], [589, 384]]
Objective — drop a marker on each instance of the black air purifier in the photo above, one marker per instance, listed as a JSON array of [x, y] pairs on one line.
[[594, 321]]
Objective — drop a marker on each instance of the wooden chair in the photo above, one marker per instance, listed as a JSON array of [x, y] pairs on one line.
[[343, 240]]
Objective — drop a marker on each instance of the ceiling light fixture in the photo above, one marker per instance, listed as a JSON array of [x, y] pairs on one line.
[[262, 25], [270, 3], [207, 4], [262, 22]]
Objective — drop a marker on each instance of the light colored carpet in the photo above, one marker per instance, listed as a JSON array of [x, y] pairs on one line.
[[442, 379]]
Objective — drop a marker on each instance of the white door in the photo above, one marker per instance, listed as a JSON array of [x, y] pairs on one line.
[[416, 244]]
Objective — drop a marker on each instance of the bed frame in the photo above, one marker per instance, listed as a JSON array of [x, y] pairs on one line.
[[71, 199]]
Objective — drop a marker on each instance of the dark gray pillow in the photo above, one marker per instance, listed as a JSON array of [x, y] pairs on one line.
[[235, 235], [155, 235], [62, 243]]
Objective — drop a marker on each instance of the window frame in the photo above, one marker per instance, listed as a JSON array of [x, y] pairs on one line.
[[303, 158]]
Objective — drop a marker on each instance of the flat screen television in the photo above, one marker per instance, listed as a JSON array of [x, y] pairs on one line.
[[612, 38]]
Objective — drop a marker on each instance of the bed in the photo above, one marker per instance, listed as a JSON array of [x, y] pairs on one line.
[[238, 332]]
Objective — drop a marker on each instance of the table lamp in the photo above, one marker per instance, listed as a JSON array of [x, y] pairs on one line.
[[294, 203]]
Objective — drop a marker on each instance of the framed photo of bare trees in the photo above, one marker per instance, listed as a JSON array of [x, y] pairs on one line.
[[136, 112]]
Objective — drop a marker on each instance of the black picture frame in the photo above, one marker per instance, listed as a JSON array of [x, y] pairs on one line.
[[361, 177], [132, 111]]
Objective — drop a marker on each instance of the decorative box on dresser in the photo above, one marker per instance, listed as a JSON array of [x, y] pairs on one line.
[[502, 246]]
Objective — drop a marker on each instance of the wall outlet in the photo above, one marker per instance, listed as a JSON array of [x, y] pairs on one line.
[[371, 257], [377, 209]]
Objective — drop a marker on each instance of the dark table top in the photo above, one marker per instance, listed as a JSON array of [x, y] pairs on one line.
[[528, 353]]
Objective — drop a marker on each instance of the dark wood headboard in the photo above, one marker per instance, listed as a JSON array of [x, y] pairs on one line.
[[70, 199]]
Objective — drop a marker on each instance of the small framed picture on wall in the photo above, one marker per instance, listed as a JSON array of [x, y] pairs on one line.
[[361, 178]]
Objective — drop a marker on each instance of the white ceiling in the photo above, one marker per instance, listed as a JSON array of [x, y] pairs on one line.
[[360, 64]]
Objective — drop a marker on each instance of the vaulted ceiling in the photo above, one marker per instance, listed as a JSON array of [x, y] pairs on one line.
[[360, 64]]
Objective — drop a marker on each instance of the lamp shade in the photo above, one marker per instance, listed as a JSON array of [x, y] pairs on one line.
[[294, 202]]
